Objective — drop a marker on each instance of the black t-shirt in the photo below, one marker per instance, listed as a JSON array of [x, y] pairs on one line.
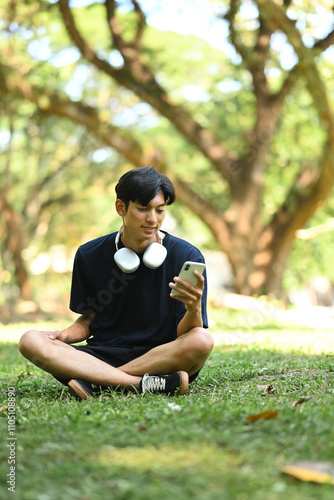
[[131, 309]]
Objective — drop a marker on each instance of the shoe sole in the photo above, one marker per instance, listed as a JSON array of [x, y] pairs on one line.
[[77, 391], [185, 383]]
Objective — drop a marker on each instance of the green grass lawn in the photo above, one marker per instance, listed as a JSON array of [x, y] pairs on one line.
[[126, 446]]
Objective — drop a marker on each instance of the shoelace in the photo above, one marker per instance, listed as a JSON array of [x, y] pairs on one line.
[[153, 383], [96, 388]]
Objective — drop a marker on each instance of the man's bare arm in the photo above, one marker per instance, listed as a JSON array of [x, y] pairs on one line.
[[191, 297], [77, 332]]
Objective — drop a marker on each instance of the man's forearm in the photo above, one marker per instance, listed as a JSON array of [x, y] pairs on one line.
[[191, 319], [78, 331]]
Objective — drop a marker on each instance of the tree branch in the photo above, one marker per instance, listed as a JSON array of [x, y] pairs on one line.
[[306, 64], [324, 43], [141, 25], [253, 57], [268, 106], [114, 27], [138, 78], [312, 232], [53, 104], [211, 217], [33, 204], [129, 50], [309, 191], [60, 200], [311, 186]]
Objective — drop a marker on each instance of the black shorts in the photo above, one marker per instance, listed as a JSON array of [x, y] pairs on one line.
[[116, 356]]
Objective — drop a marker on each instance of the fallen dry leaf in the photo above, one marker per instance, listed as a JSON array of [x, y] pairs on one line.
[[265, 414], [268, 389], [300, 401], [316, 472]]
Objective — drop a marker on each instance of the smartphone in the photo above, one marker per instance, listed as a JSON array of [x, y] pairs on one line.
[[187, 273]]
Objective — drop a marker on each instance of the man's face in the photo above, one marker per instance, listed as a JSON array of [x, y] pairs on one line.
[[141, 222]]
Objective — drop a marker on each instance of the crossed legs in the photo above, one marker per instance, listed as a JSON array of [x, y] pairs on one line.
[[187, 353]]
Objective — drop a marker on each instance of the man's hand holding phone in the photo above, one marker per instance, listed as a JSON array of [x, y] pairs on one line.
[[188, 286]]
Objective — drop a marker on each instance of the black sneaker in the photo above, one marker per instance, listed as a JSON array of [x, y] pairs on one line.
[[174, 384], [82, 389]]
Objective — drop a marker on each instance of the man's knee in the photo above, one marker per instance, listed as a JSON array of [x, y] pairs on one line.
[[200, 342], [27, 341], [206, 341], [32, 347]]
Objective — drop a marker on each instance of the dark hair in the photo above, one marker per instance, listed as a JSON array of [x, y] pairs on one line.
[[141, 185]]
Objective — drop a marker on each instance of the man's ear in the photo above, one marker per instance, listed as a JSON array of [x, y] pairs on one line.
[[120, 207]]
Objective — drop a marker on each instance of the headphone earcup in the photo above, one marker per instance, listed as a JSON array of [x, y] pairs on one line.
[[127, 260], [154, 255]]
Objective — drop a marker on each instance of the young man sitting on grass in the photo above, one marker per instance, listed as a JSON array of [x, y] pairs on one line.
[[139, 336]]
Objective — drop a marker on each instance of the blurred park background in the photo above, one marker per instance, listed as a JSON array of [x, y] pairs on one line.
[[233, 100]]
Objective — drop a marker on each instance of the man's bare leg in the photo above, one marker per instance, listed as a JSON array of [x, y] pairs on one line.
[[66, 362], [187, 353]]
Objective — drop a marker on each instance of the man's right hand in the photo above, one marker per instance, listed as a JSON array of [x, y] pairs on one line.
[[53, 335]]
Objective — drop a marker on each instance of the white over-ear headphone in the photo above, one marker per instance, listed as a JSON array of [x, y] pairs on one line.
[[128, 261]]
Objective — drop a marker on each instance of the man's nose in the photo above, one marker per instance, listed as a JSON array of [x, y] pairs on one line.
[[151, 216]]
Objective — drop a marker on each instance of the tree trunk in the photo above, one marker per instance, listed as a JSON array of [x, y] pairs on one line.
[[267, 263], [15, 245]]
